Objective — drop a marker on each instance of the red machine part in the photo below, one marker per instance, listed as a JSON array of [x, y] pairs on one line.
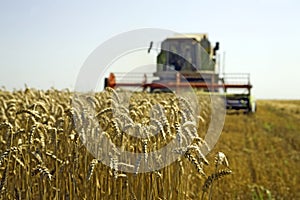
[[174, 84], [111, 80]]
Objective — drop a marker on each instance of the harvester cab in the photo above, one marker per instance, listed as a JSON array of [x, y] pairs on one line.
[[187, 54], [190, 55], [190, 61]]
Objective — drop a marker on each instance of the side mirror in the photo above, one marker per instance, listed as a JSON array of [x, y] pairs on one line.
[[150, 46], [216, 48]]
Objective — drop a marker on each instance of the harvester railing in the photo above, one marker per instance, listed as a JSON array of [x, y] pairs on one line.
[[235, 78], [145, 80]]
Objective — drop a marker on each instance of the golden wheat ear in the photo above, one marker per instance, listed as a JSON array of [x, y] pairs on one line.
[[92, 168], [213, 177], [221, 159]]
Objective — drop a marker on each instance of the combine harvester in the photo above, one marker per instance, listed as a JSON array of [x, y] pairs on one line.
[[190, 61]]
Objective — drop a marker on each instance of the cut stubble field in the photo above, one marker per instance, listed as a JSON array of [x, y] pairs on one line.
[[263, 151]]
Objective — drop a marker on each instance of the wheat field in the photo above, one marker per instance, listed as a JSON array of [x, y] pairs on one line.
[[62, 145]]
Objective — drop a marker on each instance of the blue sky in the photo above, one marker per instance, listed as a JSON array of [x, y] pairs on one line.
[[45, 43]]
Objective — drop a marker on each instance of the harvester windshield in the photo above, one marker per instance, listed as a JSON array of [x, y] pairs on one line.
[[185, 54]]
